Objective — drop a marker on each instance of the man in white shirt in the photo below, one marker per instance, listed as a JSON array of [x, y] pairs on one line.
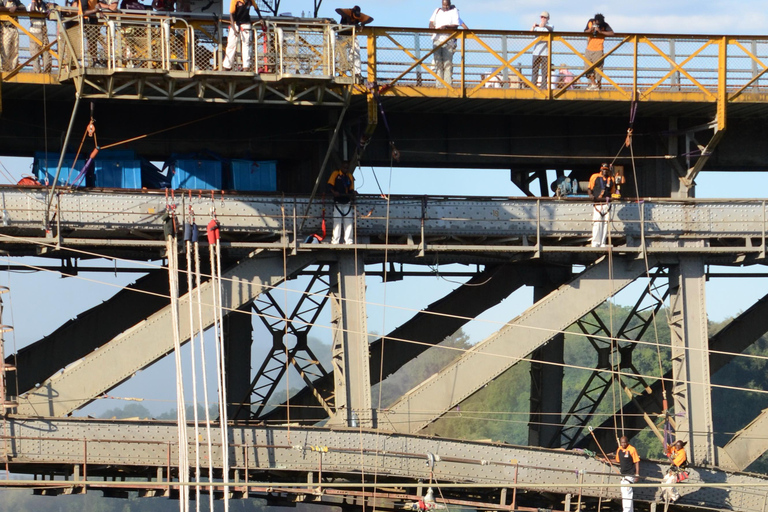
[[541, 52], [445, 17]]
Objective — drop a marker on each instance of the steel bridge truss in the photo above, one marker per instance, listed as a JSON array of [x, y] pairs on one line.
[[614, 359], [681, 236], [300, 356]]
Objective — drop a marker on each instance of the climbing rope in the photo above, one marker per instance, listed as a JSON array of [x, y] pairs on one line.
[[173, 277], [214, 249], [190, 236], [206, 404]]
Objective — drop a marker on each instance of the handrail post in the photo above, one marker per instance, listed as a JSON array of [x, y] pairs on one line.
[[722, 73], [635, 71], [463, 64], [762, 243], [372, 55], [548, 80]]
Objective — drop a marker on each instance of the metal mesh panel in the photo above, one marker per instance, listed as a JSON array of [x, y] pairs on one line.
[[205, 48], [302, 50], [96, 51], [178, 49], [348, 61]]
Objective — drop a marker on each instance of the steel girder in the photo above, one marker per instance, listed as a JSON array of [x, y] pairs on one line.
[[100, 449], [502, 226], [613, 359], [546, 369], [90, 330], [150, 340], [301, 357], [350, 348], [430, 326], [210, 87], [746, 446], [691, 390], [238, 337], [513, 342]]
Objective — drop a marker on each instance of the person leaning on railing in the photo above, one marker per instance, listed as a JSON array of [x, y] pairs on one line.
[[9, 53], [354, 18]]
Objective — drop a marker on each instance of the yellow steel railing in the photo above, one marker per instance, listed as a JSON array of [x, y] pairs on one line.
[[643, 67], [399, 61]]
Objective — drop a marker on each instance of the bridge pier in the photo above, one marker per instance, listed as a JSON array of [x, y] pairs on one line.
[[349, 349], [691, 389]]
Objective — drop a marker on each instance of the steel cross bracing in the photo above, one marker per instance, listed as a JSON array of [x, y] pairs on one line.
[[526, 226], [147, 342], [142, 449], [613, 359], [300, 356]]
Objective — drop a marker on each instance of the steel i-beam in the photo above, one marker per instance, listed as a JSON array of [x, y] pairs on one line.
[[690, 359], [350, 350]]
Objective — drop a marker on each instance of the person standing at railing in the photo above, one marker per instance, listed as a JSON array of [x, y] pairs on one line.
[[341, 185], [446, 18], [598, 30], [38, 28], [9, 56], [541, 52], [240, 32], [354, 18], [601, 188]]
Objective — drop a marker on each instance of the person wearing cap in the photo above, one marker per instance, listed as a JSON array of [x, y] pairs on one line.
[[355, 18], [541, 51], [601, 186], [629, 467], [598, 30]]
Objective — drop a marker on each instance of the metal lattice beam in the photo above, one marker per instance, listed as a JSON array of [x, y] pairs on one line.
[[150, 340], [613, 357], [430, 326], [300, 356]]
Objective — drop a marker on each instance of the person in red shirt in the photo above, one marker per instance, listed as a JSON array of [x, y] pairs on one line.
[[629, 467]]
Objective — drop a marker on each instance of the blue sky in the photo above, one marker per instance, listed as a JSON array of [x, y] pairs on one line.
[[654, 16]]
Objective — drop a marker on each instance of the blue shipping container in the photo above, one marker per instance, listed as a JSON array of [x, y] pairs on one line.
[[254, 176], [196, 174], [118, 173], [44, 167]]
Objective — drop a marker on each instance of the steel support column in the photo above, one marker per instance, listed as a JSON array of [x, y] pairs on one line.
[[238, 338], [690, 359], [350, 350], [547, 379]]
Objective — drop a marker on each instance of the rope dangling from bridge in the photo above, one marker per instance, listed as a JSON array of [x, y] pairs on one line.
[[190, 236], [214, 249], [181, 414], [203, 365]]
